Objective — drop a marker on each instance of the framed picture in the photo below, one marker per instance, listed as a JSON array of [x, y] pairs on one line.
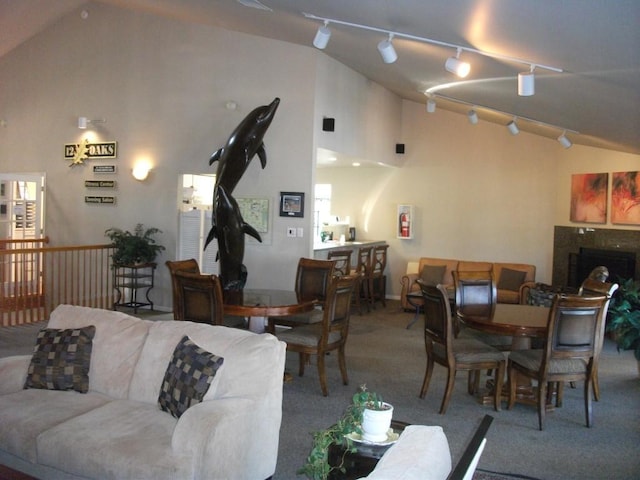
[[291, 204], [625, 198], [589, 197]]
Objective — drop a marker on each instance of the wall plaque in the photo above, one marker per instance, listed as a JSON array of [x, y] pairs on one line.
[[100, 183], [77, 153], [100, 200], [104, 169]]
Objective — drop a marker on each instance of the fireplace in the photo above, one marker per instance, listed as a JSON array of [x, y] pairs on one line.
[[620, 264]]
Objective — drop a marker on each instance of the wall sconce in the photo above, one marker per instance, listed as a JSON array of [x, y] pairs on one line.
[[141, 171], [84, 122]]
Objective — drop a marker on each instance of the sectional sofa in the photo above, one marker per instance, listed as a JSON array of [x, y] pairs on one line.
[[512, 279], [221, 416]]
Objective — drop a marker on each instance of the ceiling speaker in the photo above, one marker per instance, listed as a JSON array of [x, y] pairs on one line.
[[399, 147], [328, 124]]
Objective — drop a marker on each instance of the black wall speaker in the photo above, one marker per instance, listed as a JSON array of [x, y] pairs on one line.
[[328, 124], [399, 147]]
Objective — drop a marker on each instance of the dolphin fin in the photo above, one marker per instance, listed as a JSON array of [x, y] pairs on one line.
[[216, 156], [262, 155], [212, 234], [249, 230]]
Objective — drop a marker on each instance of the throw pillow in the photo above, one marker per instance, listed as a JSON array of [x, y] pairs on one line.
[[61, 359], [432, 274], [511, 279], [188, 377]]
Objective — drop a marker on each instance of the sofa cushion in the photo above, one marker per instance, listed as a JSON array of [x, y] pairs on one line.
[[433, 274], [511, 279], [119, 440], [116, 345], [25, 414], [188, 376], [61, 359]]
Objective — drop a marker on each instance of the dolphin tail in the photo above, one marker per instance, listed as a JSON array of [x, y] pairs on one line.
[[249, 230], [262, 155], [212, 234], [216, 156]]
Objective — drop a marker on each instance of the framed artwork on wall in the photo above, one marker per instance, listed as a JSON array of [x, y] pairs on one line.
[[292, 204], [405, 225], [625, 198], [589, 197]]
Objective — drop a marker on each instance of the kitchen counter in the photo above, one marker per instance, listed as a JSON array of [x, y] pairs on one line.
[[321, 250]]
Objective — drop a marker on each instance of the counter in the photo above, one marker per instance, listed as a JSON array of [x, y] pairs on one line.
[[321, 250]]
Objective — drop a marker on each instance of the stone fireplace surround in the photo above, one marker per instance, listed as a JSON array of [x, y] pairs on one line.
[[567, 242]]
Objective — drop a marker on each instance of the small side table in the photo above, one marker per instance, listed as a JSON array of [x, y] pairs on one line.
[[129, 279], [362, 462]]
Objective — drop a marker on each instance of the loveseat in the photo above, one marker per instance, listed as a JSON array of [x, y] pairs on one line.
[[117, 429], [512, 279]]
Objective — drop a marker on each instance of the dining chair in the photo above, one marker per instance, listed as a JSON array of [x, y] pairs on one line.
[[466, 354], [342, 258], [312, 283], [596, 285], [330, 334], [200, 298], [569, 353], [377, 278], [190, 266], [476, 295], [362, 271]]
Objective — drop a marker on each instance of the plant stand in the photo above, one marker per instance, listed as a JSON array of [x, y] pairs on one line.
[[127, 280]]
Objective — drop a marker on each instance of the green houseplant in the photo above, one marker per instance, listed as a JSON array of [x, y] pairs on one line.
[[624, 317], [316, 466], [134, 248]]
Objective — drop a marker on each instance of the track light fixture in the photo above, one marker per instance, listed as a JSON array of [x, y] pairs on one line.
[[457, 66], [513, 127], [431, 105], [473, 116], [388, 53], [564, 141], [527, 83], [322, 36], [453, 64]]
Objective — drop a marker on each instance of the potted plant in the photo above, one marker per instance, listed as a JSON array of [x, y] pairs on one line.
[[624, 317], [134, 248], [316, 466]]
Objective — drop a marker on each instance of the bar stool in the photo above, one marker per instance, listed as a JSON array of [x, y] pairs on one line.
[[377, 278], [362, 270], [343, 261]]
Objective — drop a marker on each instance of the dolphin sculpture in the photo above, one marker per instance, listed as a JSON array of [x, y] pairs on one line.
[[243, 144], [230, 228]]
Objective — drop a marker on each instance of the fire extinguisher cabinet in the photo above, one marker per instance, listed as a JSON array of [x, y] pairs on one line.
[[405, 222]]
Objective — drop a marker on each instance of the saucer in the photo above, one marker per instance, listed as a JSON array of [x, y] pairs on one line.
[[392, 437]]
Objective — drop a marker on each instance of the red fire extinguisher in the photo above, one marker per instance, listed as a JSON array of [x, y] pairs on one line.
[[404, 225]]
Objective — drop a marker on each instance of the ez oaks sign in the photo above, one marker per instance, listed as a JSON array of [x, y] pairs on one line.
[[77, 153]]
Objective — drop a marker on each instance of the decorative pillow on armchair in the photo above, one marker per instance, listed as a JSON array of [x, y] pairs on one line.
[[188, 377], [511, 279], [433, 275], [61, 359]]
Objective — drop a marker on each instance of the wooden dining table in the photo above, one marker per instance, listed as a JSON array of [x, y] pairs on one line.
[[259, 304]]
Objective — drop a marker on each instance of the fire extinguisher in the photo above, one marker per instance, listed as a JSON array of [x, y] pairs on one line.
[[404, 225]]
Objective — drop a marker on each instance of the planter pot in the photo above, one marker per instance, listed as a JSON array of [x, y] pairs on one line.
[[376, 423]]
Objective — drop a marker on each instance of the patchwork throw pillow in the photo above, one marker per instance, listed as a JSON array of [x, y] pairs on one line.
[[61, 359], [188, 377], [511, 279], [433, 275]]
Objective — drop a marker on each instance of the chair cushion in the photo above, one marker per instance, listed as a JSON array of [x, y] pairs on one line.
[[433, 274], [188, 376], [61, 359], [511, 279], [467, 350], [531, 360], [308, 335]]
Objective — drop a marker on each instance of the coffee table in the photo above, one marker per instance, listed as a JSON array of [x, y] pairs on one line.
[[361, 462]]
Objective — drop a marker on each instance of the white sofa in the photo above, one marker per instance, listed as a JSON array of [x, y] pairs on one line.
[[116, 430]]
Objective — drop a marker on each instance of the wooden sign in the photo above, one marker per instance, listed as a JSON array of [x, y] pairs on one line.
[[100, 200], [100, 183]]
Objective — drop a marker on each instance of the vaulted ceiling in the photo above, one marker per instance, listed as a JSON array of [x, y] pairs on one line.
[[595, 43]]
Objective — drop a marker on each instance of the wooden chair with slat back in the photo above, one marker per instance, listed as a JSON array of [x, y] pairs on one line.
[[570, 352], [200, 298], [190, 266], [342, 258], [362, 271], [330, 334], [467, 354]]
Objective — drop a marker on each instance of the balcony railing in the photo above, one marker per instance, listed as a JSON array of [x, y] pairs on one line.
[[34, 280]]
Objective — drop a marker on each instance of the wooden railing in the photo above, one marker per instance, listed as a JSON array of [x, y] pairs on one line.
[[35, 280]]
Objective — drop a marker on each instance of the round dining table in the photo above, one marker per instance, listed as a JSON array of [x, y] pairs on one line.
[[259, 304]]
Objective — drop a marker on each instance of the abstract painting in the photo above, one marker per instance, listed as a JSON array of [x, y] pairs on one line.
[[625, 198], [589, 197]]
